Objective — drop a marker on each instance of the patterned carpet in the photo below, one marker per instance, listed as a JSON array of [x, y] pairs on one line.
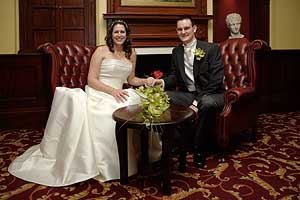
[[267, 169]]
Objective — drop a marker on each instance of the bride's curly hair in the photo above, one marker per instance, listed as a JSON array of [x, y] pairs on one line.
[[126, 45]]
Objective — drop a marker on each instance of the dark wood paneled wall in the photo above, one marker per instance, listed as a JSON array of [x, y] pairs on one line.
[[53, 21], [24, 90], [259, 20], [155, 26], [278, 80]]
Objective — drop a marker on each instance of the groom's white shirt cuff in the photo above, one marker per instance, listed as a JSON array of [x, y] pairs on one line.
[[162, 86]]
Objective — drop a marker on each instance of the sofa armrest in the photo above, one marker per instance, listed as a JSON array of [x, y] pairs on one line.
[[234, 95]]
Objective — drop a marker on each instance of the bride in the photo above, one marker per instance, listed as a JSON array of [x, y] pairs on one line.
[[79, 140]]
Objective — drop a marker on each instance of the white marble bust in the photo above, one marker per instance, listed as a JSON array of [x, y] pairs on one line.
[[233, 21]]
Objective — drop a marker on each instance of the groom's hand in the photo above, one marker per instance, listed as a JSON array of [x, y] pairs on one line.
[[150, 82], [195, 109]]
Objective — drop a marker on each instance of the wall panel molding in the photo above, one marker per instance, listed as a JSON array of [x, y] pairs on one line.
[[24, 90], [155, 26]]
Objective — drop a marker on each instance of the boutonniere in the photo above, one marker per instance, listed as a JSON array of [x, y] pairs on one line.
[[199, 53]]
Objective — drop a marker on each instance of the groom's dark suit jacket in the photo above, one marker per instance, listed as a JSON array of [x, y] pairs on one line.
[[208, 71]]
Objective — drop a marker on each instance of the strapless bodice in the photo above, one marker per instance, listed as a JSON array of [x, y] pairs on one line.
[[114, 72]]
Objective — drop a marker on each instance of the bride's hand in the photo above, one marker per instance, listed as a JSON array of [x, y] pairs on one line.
[[120, 95], [150, 82]]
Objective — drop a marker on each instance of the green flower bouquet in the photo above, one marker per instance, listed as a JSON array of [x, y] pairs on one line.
[[154, 102]]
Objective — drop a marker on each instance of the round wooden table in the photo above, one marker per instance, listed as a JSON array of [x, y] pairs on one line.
[[131, 117]]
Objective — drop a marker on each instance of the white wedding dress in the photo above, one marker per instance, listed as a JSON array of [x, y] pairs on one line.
[[79, 140]]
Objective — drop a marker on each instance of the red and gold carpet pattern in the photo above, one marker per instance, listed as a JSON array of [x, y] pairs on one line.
[[266, 169]]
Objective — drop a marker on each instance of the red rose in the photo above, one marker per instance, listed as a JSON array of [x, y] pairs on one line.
[[157, 74]]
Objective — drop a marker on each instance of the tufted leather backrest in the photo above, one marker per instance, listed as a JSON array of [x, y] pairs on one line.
[[241, 98], [70, 63], [238, 63]]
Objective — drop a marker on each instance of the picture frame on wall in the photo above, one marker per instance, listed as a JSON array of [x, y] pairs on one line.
[[167, 7], [159, 3]]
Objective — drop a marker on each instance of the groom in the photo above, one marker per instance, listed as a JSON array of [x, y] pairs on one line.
[[198, 71]]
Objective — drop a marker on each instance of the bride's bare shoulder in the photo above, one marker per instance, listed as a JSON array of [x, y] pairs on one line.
[[102, 50]]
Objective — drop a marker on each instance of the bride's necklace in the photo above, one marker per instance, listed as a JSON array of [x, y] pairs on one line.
[[119, 54]]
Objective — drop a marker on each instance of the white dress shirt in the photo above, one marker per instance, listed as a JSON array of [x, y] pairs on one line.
[[189, 50]]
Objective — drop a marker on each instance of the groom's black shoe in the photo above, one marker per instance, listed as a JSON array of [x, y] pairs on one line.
[[199, 159]]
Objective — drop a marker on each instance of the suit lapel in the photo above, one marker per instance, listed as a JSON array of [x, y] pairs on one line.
[[180, 57], [197, 63]]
